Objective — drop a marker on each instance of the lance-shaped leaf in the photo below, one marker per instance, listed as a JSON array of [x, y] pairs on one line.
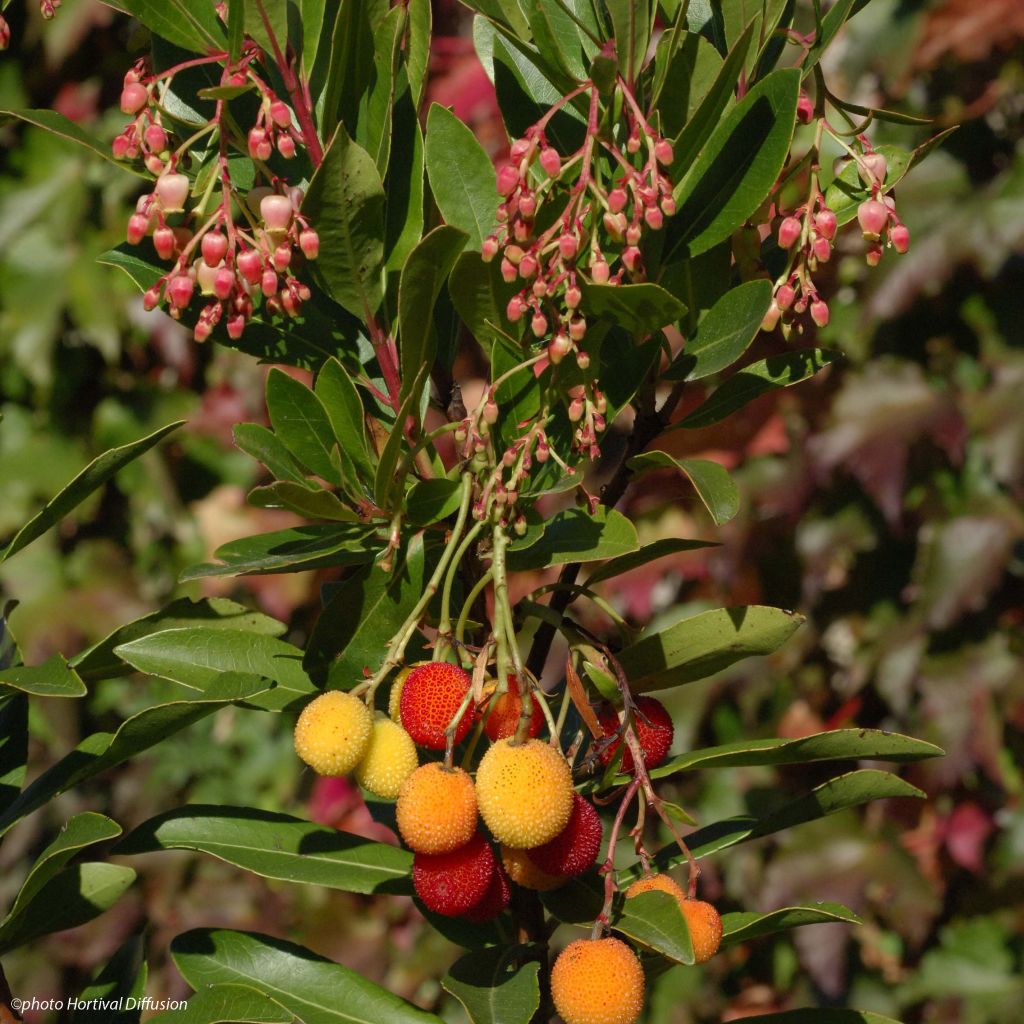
[[276, 846], [346, 202], [704, 644], [724, 333], [228, 1004], [189, 25], [744, 926], [312, 504], [640, 309], [497, 985], [573, 535], [95, 475], [480, 295], [313, 988], [837, 745], [13, 747], [103, 750], [389, 479], [343, 406], [648, 553], [200, 658], [710, 480], [301, 422], [265, 446], [65, 128], [429, 501], [54, 678], [120, 980], [654, 920], [778, 371]]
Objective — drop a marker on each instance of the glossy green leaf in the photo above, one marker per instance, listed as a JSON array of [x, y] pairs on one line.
[[228, 1004], [685, 71], [654, 920], [417, 54], [301, 422], [54, 678], [704, 644], [185, 23], [13, 748], [648, 553], [724, 333], [103, 750], [312, 504], [558, 36], [100, 662], [833, 20], [95, 475], [480, 295], [836, 745], [295, 550], [423, 276], [65, 128], [201, 658], [340, 399], [744, 926], [112, 989], [737, 167], [266, 447], [276, 846], [496, 986], [346, 201], [573, 535], [373, 129], [405, 182], [389, 479], [638, 308], [778, 371], [817, 1015], [710, 480], [461, 175], [429, 501], [314, 989], [631, 28]]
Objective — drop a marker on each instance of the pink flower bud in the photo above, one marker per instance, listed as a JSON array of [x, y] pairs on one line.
[[600, 271], [123, 148], [583, 360], [617, 200], [615, 225], [668, 205], [214, 247], [179, 290], [223, 283], [819, 312], [874, 254], [550, 161], [515, 309], [528, 266], [654, 218], [876, 167], [163, 242], [521, 230], [5, 33], [559, 348], [633, 142], [631, 258], [138, 225], [663, 152], [256, 138], [286, 146], [276, 212], [134, 96], [789, 231], [508, 180], [205, 275], [202, 331], [573, 297], [784, 296], [268, 282], [151, 298], [543, 452], [540, 288], [539, 325], [309, 243], [489, 249], [282, 257], [236, 325], [567, 246], [900, 237], [825, 223], [576, 408], [771, 318], [508, 270], [280, 114], [519, 149], [872, 217], [514, 254], [154, 164], [528, 205], [250, 266], [804, 109], [491, 411], [171, 191], [156, 137], [577, 329], [821, 248]]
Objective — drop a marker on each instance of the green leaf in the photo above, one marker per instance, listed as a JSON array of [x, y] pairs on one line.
[[120, 980], [778, 371], [103, 750], [345, 201], [704, 644], [236, 28], [558, 37], [654, 920], [638, 308], [831, 23], [314, 989], [389, 480], [836, 745], [276, 846], [724, 333], [185, 23], [308, 503], [227, 1004], [72, 897], [266, 447], [710, 480], [648, 553], [54, 678], [373, 128], [818, 1016], [417, 53], [744, 926], [13, 748], [423, 276], [631, 27], [496, 986], [100, 662], [64, 128], [200, 658], [573, 535], [461, 175], [480, 297], [315, 546], [429, 501], [685, 71], [405, 183], [344, 408], [301, 422], [737, 167], [96, 474]]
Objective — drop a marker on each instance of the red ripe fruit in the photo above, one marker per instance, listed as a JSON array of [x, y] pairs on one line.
[[504, 714], [495, 900], [654, 730], [576, 847], [454, 882], [430, 697]]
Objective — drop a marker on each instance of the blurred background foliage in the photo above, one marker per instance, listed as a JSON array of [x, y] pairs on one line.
[[883, 500]]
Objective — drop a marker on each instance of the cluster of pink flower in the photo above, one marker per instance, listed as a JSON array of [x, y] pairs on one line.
[[877, 215], [273, 130]]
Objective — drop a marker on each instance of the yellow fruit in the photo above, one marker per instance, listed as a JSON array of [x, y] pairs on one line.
[[525, 792], [702, 919], [333, 732], [598, 981], [524, 872], [395, 694], [389, 760], [436, 809]]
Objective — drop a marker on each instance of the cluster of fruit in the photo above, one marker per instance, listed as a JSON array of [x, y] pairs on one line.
[[543, 831]]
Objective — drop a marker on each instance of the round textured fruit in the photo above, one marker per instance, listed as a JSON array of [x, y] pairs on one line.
[[452, 883], [503, 717], [654, 730], [524, 792], [389, 760], [436, 809], [524, 872], [431, 696], [598, 981], [333, 732], [495, 900], [395, 693], [702, 919], [576, 847], [661, 883]]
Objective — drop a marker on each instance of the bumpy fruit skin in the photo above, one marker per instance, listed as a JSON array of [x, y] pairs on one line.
[[522, 870], [702, 919], [576, 847], [395, 694], [333, 732], [503, 717], [389, 760], [431, 694], [524, 792], [436, 809], [598, 981], [452, 883], [654, 730], [495, 900]]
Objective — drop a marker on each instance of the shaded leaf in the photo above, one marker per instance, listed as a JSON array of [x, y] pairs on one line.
[[65, 128], [121, 979], [429, 501], [13, 747], [191, 26], [227, 1004], [654, 920], [648, 553], [712, 482], [301, 422], [344, 408], [266, 447], [496, 986], [480, 296], [573, 535], [312, 504], [744, 926], [638, 308], [54, 678]]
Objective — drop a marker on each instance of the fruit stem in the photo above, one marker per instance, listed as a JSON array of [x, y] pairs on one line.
[[444, 627], [608, 867], [467, 606]]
